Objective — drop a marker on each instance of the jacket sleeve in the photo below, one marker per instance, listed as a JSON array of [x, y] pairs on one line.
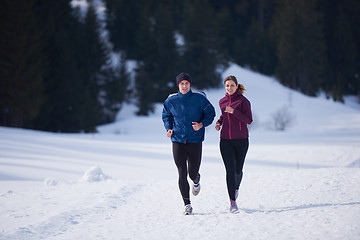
[[208, 114], [245, 114], [220, 120], [167, 117]]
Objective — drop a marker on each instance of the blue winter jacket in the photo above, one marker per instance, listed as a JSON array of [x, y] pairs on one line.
[[180, 110]]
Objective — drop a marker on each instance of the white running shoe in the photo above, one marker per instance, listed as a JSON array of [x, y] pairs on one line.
[[233, 206], [188, 209], [196, 189]]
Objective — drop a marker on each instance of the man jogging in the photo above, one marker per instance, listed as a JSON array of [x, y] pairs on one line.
[[185, 115]]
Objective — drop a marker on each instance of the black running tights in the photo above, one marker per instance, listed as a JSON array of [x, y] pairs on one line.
[[233, 152], [187, 157]]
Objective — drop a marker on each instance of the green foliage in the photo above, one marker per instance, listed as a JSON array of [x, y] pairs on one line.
[[64, 91], [300, 45], [113, 84], [202, 54], [56, 73], [343, 51], [260, 54], [123, 24], [21, 72], [76, 58]]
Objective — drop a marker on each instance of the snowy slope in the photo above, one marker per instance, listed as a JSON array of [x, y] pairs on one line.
[[121, 183]]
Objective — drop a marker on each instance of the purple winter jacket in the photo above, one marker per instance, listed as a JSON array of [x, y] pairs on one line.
[[234, 126]]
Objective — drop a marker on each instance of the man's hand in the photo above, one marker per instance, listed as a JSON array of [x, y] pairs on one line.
[[169, 133], [196, 126]]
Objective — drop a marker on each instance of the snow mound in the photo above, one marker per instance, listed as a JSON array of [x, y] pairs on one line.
[[50, 182], [355, 164], [94, 174]]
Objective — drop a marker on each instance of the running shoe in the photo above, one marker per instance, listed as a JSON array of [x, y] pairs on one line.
[[233, 206], [196, 187], [188, 209]]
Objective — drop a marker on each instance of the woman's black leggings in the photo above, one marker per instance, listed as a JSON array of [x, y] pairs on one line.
[[187, 157], [233, 152]]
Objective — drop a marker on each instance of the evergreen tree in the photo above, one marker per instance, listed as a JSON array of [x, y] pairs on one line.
[[144, 90], [123, 22], [157, 49], [345, 62], [64, 86], [259, 48], [56, 74], [202, 58], [21, 73], [341, 29], [260, 54], [300, 45], [166, 58], [92, 57], [240, 13], [113, 90], [146, 77], [350, 12]]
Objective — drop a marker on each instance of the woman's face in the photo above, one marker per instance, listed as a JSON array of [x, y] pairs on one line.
[[230, 87]]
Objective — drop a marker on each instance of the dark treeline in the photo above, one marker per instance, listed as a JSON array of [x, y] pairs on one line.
[[56, 72]]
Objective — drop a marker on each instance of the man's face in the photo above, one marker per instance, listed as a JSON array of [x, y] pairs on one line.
[[184, 86]]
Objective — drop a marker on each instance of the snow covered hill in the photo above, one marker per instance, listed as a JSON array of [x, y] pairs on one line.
[[121, 183]]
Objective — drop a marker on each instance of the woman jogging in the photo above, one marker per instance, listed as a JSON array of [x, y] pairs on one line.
[[234, 136], [185, 115]]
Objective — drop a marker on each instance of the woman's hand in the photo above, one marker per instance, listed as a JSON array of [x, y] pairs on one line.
[[169, 133], [229, 109], [217, 127]]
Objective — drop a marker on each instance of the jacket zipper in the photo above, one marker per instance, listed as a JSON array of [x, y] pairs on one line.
[[229, 118]]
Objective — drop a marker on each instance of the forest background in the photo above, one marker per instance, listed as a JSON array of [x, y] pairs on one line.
[[63, 69]]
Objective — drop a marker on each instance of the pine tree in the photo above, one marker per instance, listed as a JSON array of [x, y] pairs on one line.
[[64, 87], [92, 57], [341, 27], [123, 22], [300, 45], [159, 60], [166, 58], [260, 54], [240, 14], [146, 78], [258, 46], [113, 90], [21, 73], [202, 58], [144, 90]]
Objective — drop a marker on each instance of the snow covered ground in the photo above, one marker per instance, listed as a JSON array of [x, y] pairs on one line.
[[121, 183]]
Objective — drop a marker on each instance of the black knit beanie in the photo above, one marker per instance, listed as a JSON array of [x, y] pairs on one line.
[[183, 76]]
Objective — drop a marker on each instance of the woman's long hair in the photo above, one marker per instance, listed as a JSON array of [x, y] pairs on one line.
[[233, 78]]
